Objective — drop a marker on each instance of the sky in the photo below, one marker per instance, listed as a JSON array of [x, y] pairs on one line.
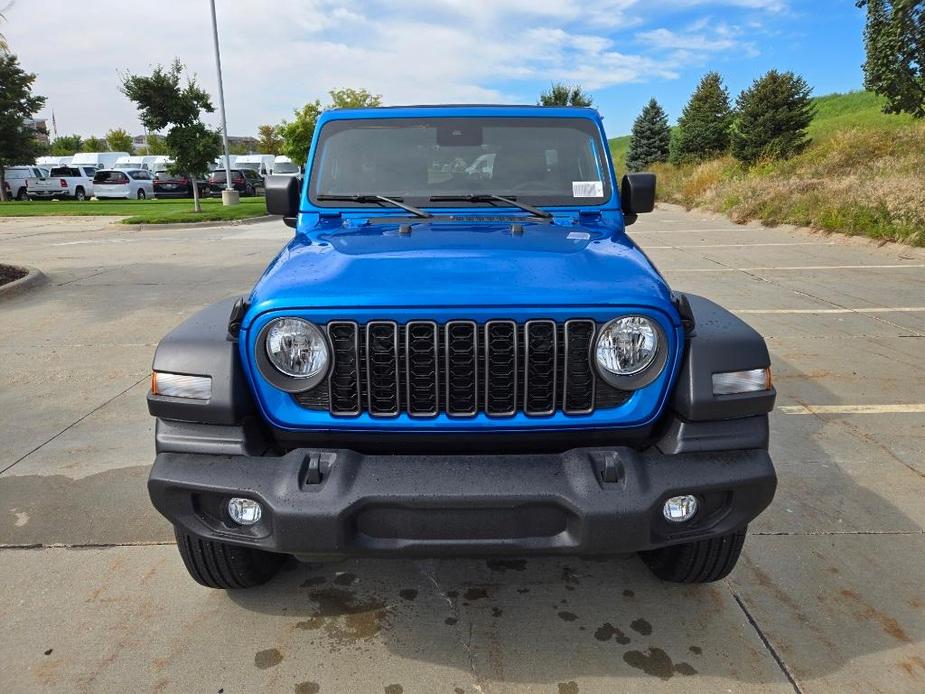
[[278, 55]]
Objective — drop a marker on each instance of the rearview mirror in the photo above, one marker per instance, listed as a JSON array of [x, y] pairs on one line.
[[282, 194], [637, 195]]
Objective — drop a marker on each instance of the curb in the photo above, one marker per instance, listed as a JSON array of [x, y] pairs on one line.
[[200, 225], [33, 277]]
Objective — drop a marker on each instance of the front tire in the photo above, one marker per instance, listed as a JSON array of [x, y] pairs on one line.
[[703, 561], [80, 194], [224, 566], [141, 194]]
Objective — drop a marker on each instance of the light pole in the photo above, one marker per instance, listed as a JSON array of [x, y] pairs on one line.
[[229, 195]]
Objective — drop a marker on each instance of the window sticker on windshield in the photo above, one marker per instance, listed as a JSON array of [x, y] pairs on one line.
[[587, 189]]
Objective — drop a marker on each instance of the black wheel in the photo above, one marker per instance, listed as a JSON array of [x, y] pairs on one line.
[[141, 194], [80, 194], [703, 561], [21, 194], [220, 565]]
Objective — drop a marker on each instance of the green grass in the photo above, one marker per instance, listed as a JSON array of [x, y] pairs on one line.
[[138, 211], [862, 110], [619, 146]]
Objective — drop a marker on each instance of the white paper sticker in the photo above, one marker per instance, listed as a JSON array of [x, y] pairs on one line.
[[587, 189], [578, 236]]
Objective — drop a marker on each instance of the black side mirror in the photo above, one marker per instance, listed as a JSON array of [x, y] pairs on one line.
[[282, 193], [637, 195]]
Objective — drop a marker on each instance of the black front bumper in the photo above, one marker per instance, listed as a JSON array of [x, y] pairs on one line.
[[323, 501]]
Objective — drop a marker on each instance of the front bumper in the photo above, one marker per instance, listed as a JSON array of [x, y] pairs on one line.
[[337, 501]]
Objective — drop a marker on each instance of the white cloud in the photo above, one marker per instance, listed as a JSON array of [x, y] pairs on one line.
[[278, 56]]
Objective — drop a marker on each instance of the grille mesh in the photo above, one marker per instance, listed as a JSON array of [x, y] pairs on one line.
[[461, 368]]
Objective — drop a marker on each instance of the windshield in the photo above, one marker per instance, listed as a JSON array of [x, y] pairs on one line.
[[543, 161], [285, 167]]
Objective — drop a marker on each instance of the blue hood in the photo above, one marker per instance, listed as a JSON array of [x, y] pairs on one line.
[[457, 263]]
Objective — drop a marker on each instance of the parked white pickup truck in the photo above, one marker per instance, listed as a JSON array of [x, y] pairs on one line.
[[63, 182]]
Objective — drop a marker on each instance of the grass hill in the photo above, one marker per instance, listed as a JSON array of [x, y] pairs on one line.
[[863, 173]]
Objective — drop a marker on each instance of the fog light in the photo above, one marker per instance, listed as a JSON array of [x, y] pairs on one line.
[[244, 511], [680, 508]]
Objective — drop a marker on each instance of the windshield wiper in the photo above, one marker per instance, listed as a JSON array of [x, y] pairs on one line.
[[491, 197], [395, 202]]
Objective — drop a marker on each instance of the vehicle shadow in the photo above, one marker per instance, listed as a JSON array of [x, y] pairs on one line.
[[549, 620]]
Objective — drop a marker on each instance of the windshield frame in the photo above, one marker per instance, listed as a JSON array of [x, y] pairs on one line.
[[587, 125]]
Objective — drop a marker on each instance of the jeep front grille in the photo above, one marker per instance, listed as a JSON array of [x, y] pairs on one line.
[[461, 369]]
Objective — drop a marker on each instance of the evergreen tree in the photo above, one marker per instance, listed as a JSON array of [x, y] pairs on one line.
[[703, 128], [651, 141], [895, 41], [17, 103], [771, 118], [560, 94]]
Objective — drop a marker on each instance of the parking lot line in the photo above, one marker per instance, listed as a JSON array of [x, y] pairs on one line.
[[795, 267], [852, 409], [736, 245], [813, 311]]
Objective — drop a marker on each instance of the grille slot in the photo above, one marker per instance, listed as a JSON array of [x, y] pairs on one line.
[[460, 369], [578, 377], [382, 378], [422, 354], [501, 368], [344, 396], [540, 367]]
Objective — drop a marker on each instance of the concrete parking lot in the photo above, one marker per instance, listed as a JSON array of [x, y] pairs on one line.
[[828, 596]]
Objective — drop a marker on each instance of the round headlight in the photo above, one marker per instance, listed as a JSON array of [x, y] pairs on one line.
[[627, 349], [296, 348]]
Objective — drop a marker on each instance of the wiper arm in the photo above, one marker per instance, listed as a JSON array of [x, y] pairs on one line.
[[491, 197], [395, 202]]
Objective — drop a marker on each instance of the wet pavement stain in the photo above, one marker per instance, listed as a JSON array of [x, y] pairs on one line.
[[696, 650], [641, 626], [628, 593], [523, 591], [307, 688], [607, 631], [569, 577], [49, 651], [496, 612], [264, 660], [450, 621], [344, 617], [475, 594], [408, 593], [502, 565], [568, 616], [568, 687], [657, 663], [313, 581], [394, 689], [345, 579], [452, 594]]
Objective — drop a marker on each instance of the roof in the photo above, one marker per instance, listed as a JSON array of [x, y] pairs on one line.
[[462, 110]]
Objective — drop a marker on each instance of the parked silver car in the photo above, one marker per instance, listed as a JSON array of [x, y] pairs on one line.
[[131, 184]]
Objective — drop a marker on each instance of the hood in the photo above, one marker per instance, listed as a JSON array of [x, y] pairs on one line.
[[458, 263]]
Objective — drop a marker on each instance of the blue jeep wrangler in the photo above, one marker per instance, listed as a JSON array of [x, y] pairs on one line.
[[461, 352]]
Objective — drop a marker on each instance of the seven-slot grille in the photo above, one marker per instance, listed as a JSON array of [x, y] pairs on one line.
[[461, 369]]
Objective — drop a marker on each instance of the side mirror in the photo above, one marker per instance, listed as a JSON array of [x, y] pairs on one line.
[[637, 195], [282, 193]]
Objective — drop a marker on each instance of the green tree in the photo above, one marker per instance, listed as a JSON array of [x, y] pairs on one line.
[[297, 133], [771, 118], [895, 41], [651, 140], [93, 144], [703, 128], [560, 94], [154, 144], [17, 103], [164, 103], [120, 141], [66, 145], [353, 98], [268, 139]]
